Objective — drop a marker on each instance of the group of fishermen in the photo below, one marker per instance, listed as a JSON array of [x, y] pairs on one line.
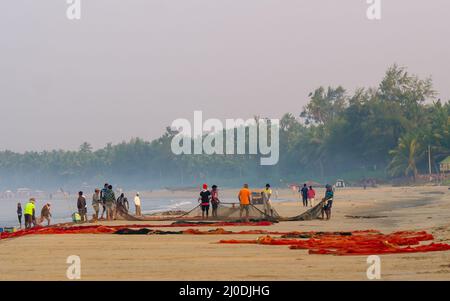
[[308, 195], [29, 214], [211, 197], [245, 200], [106, 200]]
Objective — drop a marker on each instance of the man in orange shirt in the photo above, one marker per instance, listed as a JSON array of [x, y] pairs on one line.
[[244, 200]]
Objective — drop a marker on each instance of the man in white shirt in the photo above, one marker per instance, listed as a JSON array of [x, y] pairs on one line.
[[137, 203]]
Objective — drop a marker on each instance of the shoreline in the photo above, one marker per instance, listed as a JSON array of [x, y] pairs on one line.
[[199, 257]]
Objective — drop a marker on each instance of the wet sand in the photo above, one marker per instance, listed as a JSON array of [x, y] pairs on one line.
[[199, 257]]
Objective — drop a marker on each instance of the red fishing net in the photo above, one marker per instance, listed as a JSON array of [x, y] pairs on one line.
[[369, 242], [99, 229], [358, 243]]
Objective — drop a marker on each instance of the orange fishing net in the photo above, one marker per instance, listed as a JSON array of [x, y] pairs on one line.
[[99, 229], [358, 243]]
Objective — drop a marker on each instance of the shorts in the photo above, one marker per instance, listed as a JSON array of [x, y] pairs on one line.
[[28, 218], [215, 206], [245, 207], [328, 205], [205, 208], [109, 205]]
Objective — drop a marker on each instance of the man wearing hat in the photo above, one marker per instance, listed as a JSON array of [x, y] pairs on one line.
[[205, 197]]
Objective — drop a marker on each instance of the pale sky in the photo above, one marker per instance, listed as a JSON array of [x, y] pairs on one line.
[[129, 68]]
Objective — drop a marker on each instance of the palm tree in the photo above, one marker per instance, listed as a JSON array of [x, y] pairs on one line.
[[406, 156]]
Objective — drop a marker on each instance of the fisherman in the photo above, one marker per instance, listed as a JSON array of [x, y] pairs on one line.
[[125, 206], [96, 202], [311, 196], [137, 204], [82, 207], [102, 198], [110, 199], [214, 200], [121, 204], [329, 194], [244, 197], [266, 196], [205, 197], [19, 214], [304, 193], [30, 213], [45, 214]]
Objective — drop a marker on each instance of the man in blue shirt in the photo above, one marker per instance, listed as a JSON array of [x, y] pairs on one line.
[[304, 192], [329, 195]]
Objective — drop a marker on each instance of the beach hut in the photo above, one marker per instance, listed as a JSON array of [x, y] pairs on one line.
[[340, 184], [444, 166], [23, 192], [8, 194]]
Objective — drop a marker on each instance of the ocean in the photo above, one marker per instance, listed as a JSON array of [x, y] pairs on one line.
[[62, 209]]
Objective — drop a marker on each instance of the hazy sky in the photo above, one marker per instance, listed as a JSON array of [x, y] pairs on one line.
[[129, 68]]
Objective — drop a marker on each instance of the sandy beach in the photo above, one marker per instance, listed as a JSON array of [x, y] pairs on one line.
[[200, 257]]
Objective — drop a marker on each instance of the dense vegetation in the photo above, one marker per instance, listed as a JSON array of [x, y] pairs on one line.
[[381, 132]]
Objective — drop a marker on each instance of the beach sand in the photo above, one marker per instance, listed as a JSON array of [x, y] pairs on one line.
[[200, 257]]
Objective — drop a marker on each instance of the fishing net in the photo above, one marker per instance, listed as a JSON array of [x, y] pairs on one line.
[[100, 229], [217, 231], [369, 242], [225, 211], [356, 243], [310, 214], [232, 211]]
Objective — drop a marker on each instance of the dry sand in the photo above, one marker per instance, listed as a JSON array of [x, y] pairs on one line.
[[196, 257]]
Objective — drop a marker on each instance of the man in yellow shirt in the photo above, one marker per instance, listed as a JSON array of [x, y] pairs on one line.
[[244, 200], [30, 213], [266, 196]]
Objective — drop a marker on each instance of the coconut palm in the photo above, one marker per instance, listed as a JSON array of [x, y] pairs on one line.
[[406, 156]]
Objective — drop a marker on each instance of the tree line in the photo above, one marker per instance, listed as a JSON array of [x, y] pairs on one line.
[[384, 132]]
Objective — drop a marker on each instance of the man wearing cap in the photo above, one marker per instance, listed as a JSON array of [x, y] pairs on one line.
[[205, 196], [29, 213]]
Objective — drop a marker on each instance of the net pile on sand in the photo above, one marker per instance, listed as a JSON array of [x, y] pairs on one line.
[[369, 242], [100, 229]]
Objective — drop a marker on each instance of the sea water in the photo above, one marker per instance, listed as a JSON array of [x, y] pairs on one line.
[[62, 209]]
